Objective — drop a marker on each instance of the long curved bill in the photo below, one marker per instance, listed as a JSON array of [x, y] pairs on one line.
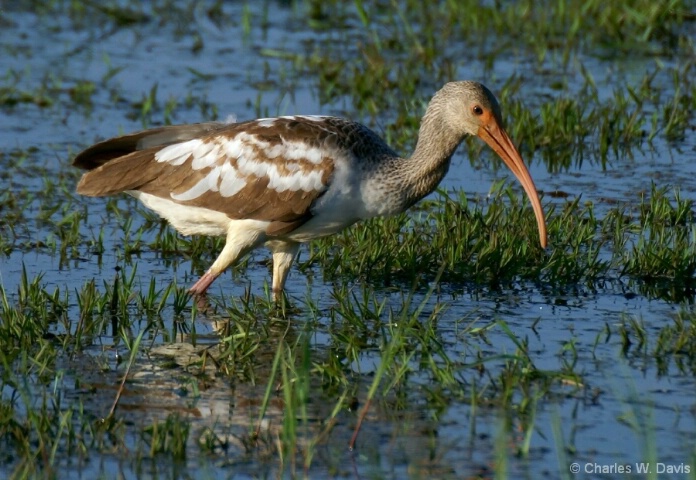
[[497, 138]]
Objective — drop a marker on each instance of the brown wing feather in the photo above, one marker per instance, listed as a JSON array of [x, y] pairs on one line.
[[100, 153], [128, 172], [139, 170]]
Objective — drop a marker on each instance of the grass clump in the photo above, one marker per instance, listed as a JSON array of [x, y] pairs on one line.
[[662, 254], [476, 245], [676, 344], [25, 321], [168, 437], [494, 244]]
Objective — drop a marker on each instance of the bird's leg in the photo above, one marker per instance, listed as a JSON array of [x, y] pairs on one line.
[[239, 242], [284, 254], [201, 286]]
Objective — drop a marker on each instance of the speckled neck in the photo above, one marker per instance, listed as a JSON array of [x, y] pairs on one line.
[[430, 161]]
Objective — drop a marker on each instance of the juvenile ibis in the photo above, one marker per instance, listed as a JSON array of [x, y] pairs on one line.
[[282, 181]]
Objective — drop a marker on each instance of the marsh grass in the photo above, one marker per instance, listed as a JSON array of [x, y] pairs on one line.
[[381, 355], [493, 250], [405, 345]]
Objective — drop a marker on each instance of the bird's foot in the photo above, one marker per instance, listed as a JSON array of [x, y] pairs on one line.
[[282, 305], [202, 303], [199, 289]]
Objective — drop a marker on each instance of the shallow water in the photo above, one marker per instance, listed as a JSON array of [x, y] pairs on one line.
[[237, 74]]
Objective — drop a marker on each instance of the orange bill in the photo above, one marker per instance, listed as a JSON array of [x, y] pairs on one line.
[[495, 136]]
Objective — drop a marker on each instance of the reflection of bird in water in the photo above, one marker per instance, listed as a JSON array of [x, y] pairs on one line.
[[282, 181], [233, 419]]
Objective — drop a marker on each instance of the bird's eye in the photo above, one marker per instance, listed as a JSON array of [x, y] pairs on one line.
[[477, 110]]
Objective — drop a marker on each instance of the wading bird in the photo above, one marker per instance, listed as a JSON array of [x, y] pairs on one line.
[[283, 181]]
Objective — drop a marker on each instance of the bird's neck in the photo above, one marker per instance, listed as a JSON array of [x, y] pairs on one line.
[[431, 158]]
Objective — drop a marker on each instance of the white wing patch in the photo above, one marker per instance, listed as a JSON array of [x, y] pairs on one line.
[[178, 153], [234, 161], [311, 118], [230, 183], [209, 182], [265, 122], [205, 155]]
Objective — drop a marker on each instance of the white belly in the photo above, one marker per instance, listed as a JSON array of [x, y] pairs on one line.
[[186, 219]]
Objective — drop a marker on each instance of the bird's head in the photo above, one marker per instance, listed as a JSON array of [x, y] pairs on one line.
[[471, 109]]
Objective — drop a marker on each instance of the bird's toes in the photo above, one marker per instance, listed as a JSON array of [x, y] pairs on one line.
[[202, 303]]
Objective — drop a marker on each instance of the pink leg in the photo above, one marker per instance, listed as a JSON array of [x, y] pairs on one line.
[[201, 286], [242, 236]]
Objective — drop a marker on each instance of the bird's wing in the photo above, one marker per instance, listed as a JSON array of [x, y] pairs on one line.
[[100, 153], [268, 169]]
